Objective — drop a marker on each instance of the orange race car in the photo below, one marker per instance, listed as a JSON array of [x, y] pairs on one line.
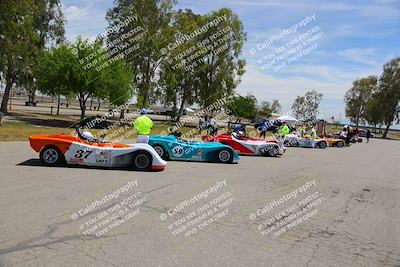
[[84, 149]]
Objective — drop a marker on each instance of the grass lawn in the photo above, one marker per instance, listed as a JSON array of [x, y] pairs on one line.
[[20, 131]]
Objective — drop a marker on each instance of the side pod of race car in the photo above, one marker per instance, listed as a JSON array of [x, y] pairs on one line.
[[80, 149], [172, 147], [249, 146]]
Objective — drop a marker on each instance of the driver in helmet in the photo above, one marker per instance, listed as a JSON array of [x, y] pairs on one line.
[[88, 135]]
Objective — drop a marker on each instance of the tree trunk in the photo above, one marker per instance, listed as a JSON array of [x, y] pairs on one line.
[[99, 102], [386, 130], [122, 114], [31, 95], [6, 95], [58, 104], [67, 100], [83, 111], [82, 105], [91, 103], [178, 117]]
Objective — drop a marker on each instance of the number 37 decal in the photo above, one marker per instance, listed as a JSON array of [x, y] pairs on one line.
[[83, 154]]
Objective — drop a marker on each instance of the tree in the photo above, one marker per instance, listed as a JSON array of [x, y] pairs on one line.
[[276, 106], [374, 114], [25, 28], [16, 30], [389, 93], [221, 72], [305, 108], [119, 83], [266, 108], [357, 98], [243, 106], [178, 85], [60, 72], [152, 19], [51, 72]]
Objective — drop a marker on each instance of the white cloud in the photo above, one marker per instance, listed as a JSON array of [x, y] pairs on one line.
[[332, 82], [87, 20], [361, 55], [74, 13]]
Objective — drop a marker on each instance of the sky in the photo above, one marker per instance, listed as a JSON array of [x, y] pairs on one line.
[[349, 40]]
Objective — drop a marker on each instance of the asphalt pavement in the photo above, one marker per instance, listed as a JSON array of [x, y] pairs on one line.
[[311, 207]]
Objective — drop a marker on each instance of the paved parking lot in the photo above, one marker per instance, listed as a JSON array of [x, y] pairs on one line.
[[350, 216]]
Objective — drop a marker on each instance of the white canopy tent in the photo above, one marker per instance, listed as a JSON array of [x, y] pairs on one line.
[[287, 118]]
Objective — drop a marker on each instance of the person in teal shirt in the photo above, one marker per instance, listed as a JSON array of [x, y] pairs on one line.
[[143, 126]]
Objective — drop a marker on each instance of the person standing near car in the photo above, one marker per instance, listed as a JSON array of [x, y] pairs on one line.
[[263, 127], [143, 126], [368, 135], [313, 134], [284, 130], [201, 124], [349, 135], [212, 126]]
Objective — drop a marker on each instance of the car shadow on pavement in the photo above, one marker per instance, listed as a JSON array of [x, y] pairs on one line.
[[38, 163]]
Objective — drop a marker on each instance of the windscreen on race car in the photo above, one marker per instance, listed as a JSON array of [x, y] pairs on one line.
[[87, 138]]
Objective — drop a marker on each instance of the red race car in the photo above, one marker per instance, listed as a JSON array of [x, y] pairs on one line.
[[244, 145]]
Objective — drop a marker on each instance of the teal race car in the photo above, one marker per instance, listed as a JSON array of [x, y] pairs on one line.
[[171, 147]]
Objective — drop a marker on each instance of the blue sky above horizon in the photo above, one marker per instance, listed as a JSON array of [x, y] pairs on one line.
[[359, 37]]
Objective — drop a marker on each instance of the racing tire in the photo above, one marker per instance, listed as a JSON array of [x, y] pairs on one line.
[[359, 140], [287, 143], [322, 145], [273, 152], [142, 160], [340, 144], [51, 155], [224, 156], [161, 152]]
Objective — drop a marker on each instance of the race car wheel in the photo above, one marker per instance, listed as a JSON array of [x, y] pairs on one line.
[[287, 143], [360, 140], [51, 155], [273, 152], [142, 160], [161, 152], [322, 145], [225, 156], [340, 144]]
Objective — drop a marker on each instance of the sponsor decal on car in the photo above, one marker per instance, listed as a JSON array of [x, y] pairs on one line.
[[177, 151], [103, 157]]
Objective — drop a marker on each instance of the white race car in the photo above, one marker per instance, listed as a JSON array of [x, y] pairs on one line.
[[296, 141], [83, 149]]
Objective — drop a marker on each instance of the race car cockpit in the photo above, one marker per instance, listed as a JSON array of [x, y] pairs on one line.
[[88, 136]]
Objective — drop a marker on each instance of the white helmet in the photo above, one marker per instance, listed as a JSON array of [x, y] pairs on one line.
[[88, 135]]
